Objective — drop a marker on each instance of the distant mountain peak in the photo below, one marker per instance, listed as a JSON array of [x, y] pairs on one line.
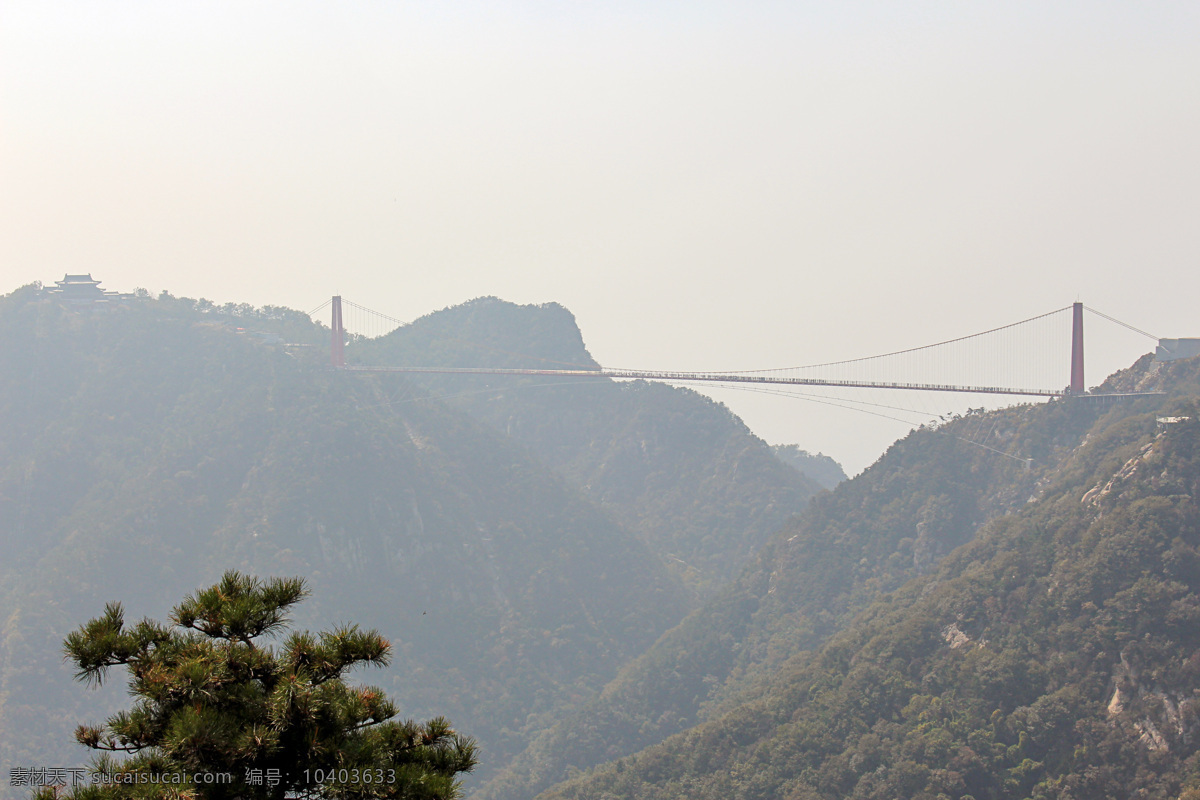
[[491, 332]]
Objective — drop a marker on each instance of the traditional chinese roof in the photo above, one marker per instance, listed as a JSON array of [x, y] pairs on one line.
[[77, 280], [81, 289]]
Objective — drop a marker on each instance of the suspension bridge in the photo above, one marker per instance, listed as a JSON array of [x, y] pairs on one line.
[[1042, 356]]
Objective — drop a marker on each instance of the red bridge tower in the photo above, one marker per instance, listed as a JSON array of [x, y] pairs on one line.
[[1077, 349]]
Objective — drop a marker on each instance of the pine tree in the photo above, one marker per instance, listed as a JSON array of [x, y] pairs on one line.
[[219, 715]]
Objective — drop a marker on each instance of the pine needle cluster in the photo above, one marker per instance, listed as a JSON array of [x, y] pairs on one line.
[[218, 715]]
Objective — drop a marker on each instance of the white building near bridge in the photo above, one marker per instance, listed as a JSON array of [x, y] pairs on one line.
[[1175, 349]]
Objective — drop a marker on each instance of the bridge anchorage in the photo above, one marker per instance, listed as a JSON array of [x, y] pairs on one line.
[[1010, 360]]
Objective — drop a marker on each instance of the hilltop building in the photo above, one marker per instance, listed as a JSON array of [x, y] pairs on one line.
[[1175, 349], [82, 290]]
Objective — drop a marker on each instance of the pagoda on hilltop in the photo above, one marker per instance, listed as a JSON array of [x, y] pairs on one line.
[[82, 290]]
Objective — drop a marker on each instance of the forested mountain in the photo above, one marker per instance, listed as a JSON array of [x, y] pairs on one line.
[[1003, 605], [1053, 654], [516, 557], [819, 467], [148, 447], [927, 495], [673, 466]]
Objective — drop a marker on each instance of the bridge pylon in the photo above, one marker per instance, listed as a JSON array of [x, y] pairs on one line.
[[337, 345], [1077, 386]]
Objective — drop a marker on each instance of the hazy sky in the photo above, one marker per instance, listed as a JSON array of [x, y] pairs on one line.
[[705, 185]]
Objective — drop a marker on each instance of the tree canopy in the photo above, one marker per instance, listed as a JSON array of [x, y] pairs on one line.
[[220, 715]]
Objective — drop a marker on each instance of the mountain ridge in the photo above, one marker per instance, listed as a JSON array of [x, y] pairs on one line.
[[928, 494], [154, 444], [672, 465], [897, 703]]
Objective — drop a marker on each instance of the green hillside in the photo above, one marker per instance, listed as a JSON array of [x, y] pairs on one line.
[[1053, 655], [149, 447], [671, 465], [930, 493]]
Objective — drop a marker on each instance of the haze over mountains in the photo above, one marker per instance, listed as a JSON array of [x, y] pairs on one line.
[[614, 576], [668, 463], [150, 445]]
